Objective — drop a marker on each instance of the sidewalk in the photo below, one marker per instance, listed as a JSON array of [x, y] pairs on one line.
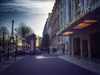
[[87, 64], [7, 63]]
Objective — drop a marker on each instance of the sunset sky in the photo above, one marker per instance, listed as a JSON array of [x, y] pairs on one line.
[[32, 12]]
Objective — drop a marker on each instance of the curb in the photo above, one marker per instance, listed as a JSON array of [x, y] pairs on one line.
[[82, 63]]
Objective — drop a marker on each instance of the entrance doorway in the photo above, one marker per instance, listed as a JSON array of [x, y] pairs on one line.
[[85, 48], [95, 45], [76, 46]]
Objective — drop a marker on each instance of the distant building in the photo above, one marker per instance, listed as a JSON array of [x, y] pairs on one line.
[[54, 22], [47, 30], [31, 42], [38, 41]]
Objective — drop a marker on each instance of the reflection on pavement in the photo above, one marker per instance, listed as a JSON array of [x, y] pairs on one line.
[[42, 57]]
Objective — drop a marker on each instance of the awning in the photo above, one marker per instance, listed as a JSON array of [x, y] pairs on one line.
[[90, 16]]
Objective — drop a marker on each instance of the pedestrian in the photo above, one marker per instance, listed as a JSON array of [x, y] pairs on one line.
[[63, 49]]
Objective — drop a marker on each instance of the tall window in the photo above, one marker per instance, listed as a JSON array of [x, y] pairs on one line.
[[69, 10], [78, 4]]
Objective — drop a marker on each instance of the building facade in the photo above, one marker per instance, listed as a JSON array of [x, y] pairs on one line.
[[54, 22], [46, 31], [58, 21], [63, 22], [83, 28], [76, 24], [51, 26]]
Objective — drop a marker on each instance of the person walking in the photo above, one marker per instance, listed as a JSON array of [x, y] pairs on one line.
[[63, 49]]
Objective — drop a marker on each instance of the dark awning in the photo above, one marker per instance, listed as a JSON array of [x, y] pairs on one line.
[[94, 15]]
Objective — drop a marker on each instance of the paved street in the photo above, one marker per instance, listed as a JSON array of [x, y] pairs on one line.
[[44, 65]]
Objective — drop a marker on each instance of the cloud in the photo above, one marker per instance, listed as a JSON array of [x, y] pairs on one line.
[[35, 6], [32, 12], [34, 0]]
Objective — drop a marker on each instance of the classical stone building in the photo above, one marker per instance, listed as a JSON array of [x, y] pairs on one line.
[[83, 28], [46, 33], [54, 22]]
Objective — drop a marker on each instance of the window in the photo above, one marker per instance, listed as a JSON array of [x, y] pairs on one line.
[[78, 7]]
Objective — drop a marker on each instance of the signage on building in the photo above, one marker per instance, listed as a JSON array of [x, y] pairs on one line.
[[79, 16], [74, 20]]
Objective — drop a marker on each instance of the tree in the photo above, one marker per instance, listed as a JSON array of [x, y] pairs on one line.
[[3, 32], [24, 31]]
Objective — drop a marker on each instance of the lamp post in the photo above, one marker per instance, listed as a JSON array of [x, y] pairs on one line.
[[12, 41], [8, 45], [16, 44], [3, 37]]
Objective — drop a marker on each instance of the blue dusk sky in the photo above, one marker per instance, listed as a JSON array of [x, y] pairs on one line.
[[32, 12]]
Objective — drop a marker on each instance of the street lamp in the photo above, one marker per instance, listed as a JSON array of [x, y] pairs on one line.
[[3, 36], [16, 44], [8, 45], [12, 36]]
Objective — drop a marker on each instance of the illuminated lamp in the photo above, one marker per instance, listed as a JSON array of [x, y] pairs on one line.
[[81, 25], [67, 33], [84, 24], [90, 21]]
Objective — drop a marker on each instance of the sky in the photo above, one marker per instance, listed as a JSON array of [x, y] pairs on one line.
[[32, 12]]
